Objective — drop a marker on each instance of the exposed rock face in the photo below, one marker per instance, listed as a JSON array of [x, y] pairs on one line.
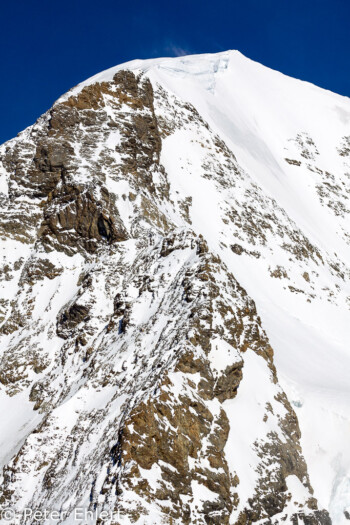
[[74, 218], [148, 382]]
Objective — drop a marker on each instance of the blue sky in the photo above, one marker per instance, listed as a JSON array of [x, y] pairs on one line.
[[49, 46]]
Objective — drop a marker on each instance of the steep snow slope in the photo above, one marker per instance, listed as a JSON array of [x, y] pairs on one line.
[[108, 199], [266, 117], [291, 138]]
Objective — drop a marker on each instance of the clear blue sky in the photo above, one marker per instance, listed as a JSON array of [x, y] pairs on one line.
[[49, 46]]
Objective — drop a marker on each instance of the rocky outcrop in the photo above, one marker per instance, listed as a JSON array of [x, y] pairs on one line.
[[178, 435], [73, 217]]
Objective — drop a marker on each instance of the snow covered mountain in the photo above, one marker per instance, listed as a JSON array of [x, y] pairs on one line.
[[174, 307]]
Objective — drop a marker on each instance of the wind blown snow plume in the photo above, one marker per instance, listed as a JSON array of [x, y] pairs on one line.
[[175, 300]]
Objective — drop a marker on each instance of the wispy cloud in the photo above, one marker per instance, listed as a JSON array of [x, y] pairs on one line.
[[172, 49], [177, 51]]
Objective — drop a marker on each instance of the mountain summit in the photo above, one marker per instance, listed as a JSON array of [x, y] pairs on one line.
[[175, 301]]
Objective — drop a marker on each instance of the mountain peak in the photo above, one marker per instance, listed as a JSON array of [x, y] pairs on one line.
[[174, 299]]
